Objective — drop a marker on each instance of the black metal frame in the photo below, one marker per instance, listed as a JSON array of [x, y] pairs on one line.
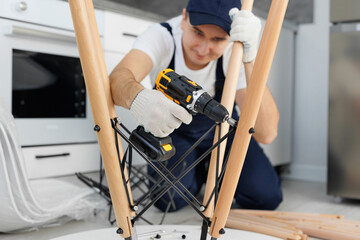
[[174, 182], [140, 178]]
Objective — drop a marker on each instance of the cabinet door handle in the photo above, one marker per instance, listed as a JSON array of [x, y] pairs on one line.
[[130, 35], [21, 31], [52, 155]]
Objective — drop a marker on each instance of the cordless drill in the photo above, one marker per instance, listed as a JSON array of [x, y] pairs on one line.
[[187, 94], [191, 96]]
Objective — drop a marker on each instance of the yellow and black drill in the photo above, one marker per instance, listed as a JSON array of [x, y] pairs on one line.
[[191, 96], [187, 94]]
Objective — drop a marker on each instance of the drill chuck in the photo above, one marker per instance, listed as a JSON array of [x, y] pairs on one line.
[[206, 105]]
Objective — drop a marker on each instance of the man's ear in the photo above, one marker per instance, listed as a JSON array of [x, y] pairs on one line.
[[183, 20], [184, 13]]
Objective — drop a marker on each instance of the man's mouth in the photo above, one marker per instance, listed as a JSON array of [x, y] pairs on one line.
[[199, 56]]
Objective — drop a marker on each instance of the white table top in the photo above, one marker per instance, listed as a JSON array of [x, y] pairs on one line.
[[148, 232]]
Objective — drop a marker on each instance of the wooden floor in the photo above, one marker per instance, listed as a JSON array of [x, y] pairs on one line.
[[298, 197]]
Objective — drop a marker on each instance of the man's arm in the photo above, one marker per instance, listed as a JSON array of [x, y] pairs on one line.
[[127, 75], [150, 108], [266, 125]]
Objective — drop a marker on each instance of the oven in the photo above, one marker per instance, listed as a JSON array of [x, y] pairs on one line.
[[41, 77]]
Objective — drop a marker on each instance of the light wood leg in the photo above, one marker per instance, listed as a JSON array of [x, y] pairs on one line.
[[249, 113], [227, 100], [98, 89]]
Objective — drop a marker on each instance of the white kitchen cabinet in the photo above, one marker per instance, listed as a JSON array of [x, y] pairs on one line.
[[56, 160], [121, 31], [51, 13]]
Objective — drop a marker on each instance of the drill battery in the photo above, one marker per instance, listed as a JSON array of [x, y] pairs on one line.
[[157, 149]]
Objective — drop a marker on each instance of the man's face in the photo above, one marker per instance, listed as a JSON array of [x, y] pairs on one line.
[[202, 44]]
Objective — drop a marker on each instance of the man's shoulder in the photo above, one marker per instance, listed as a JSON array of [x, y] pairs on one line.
[[175, 23], [157, 30]]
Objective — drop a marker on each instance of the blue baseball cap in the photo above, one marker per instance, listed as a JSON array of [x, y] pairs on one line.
[[212, 12]]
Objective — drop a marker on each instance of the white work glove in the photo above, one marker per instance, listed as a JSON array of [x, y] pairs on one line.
[[158, 114], [245, 28]]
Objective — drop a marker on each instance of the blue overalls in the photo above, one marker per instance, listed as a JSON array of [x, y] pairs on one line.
[[259, 186]]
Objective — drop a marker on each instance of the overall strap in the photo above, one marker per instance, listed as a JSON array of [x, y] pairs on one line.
[[220, 79], [169, 28]]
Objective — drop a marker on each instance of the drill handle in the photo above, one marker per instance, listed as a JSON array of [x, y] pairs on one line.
[[177, 88]]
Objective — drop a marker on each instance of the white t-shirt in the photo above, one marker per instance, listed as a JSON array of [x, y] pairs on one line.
[[158, 44]]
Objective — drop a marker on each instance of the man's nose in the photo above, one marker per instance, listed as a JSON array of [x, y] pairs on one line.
[[204, 47]]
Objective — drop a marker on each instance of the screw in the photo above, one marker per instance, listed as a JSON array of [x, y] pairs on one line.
[[222, 231], [251, 130], [97, 128], [202, 208], [135, 208], [119, 231]]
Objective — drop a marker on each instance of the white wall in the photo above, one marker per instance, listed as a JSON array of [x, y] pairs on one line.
[[311, 97]]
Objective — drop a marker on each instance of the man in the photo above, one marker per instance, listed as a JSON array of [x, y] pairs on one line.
[[197, 45]]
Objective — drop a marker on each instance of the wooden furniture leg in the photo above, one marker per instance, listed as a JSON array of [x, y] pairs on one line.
[[248, 116], [106, 82], [227, 100], [98, 89]]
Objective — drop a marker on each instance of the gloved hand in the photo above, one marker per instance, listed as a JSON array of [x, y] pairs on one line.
[[158, 114], [245, 28]]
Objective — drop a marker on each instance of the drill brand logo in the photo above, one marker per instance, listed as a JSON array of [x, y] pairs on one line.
[[192, 82]]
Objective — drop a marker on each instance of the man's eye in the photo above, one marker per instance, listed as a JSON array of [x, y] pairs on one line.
[[198, 33], [218, 39]]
